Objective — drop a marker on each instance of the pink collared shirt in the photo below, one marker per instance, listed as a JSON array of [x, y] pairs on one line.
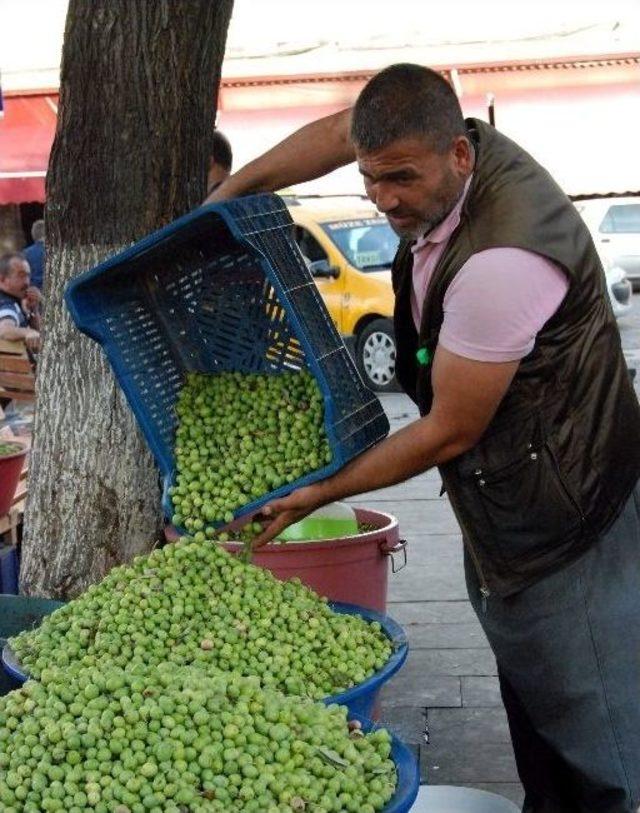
[[498, 301]]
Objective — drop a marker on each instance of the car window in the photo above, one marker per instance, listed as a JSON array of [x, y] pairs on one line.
[[308, 245], [622, 219], [369, 244]]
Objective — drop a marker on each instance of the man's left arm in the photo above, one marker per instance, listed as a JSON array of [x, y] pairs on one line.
[[467, 394]]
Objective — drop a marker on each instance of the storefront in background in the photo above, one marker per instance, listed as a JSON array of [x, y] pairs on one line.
[[573, 115]]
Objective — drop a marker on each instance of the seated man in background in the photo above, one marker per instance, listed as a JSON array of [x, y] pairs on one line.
[[19, 302], [220, 161], [34, 254]]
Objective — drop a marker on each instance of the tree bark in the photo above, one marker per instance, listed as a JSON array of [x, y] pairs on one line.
[[138, 97]]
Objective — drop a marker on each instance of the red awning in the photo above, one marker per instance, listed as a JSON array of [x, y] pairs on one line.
[[26, 134], [576, 124]]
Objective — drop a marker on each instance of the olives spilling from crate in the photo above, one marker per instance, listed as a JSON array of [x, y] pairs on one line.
[[194, 603], [176, 740], [240, 436]]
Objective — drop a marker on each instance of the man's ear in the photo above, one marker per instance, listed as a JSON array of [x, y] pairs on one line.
[[462, 155]]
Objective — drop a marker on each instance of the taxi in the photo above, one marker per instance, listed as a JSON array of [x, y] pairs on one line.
[[349, 247]]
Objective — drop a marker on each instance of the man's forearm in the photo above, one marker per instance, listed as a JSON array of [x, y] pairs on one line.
[[13, 333], [313, 151], [466, 396], [420, 446]]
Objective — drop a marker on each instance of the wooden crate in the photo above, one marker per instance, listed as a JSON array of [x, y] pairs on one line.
[[17, 375]]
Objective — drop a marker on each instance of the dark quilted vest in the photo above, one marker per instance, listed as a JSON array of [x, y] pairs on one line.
[[562, 454]]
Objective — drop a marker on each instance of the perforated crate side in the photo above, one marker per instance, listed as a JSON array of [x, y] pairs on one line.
[[167, 306], [220, 294], [141, 356], [243, 323], [270, 231]]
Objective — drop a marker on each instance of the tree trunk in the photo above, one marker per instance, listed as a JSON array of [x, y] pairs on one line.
[[138, 97]]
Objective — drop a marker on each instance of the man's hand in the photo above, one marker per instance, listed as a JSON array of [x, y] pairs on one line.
[[32, 299], [279, 514], [32, 340], [10, 331]]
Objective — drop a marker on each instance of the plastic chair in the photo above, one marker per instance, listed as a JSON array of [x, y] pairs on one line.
[[449, 799]]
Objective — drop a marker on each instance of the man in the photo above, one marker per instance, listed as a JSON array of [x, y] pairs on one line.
[[34, 254], [220, 161], [19, 302], [507, 343]]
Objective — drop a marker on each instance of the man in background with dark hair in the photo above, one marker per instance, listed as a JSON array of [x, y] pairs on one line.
[[220, 161], [34, 254], [19, 302], [507, 343]]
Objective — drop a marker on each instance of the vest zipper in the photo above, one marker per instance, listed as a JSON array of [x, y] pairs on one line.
[[484, 590]]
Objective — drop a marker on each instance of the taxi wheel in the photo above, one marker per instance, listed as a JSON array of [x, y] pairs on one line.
[[376, 356]]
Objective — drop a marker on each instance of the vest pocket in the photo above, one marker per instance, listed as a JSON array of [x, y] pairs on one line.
[[521, 508]]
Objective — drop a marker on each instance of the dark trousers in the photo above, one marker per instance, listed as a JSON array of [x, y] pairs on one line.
[[568, 653]]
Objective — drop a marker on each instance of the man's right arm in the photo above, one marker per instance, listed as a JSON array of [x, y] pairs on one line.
[[10, 331], [313, 151]]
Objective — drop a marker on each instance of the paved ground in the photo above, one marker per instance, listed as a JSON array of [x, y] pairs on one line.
[[448, 686]]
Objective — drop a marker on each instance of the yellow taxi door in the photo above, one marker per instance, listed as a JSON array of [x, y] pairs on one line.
[[327, 269]]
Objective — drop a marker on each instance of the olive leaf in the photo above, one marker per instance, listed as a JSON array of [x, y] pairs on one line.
[[332, 757], [382, 770]]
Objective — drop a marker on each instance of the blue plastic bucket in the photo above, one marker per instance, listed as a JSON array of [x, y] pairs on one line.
[[18, 613], [407, 770], [22, 613], [361, 699]]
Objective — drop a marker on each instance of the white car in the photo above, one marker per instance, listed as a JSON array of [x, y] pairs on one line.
[[614, 224]]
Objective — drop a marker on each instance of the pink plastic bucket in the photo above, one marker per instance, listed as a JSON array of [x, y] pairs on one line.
[[354, 569]]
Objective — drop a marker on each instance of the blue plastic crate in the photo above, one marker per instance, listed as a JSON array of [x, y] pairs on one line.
[[9, 570], [222, 288]]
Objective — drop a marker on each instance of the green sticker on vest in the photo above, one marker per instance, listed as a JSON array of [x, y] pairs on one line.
[[423, 356]]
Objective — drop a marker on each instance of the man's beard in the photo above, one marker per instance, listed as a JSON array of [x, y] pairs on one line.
[[423, 226], [449, 196]]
